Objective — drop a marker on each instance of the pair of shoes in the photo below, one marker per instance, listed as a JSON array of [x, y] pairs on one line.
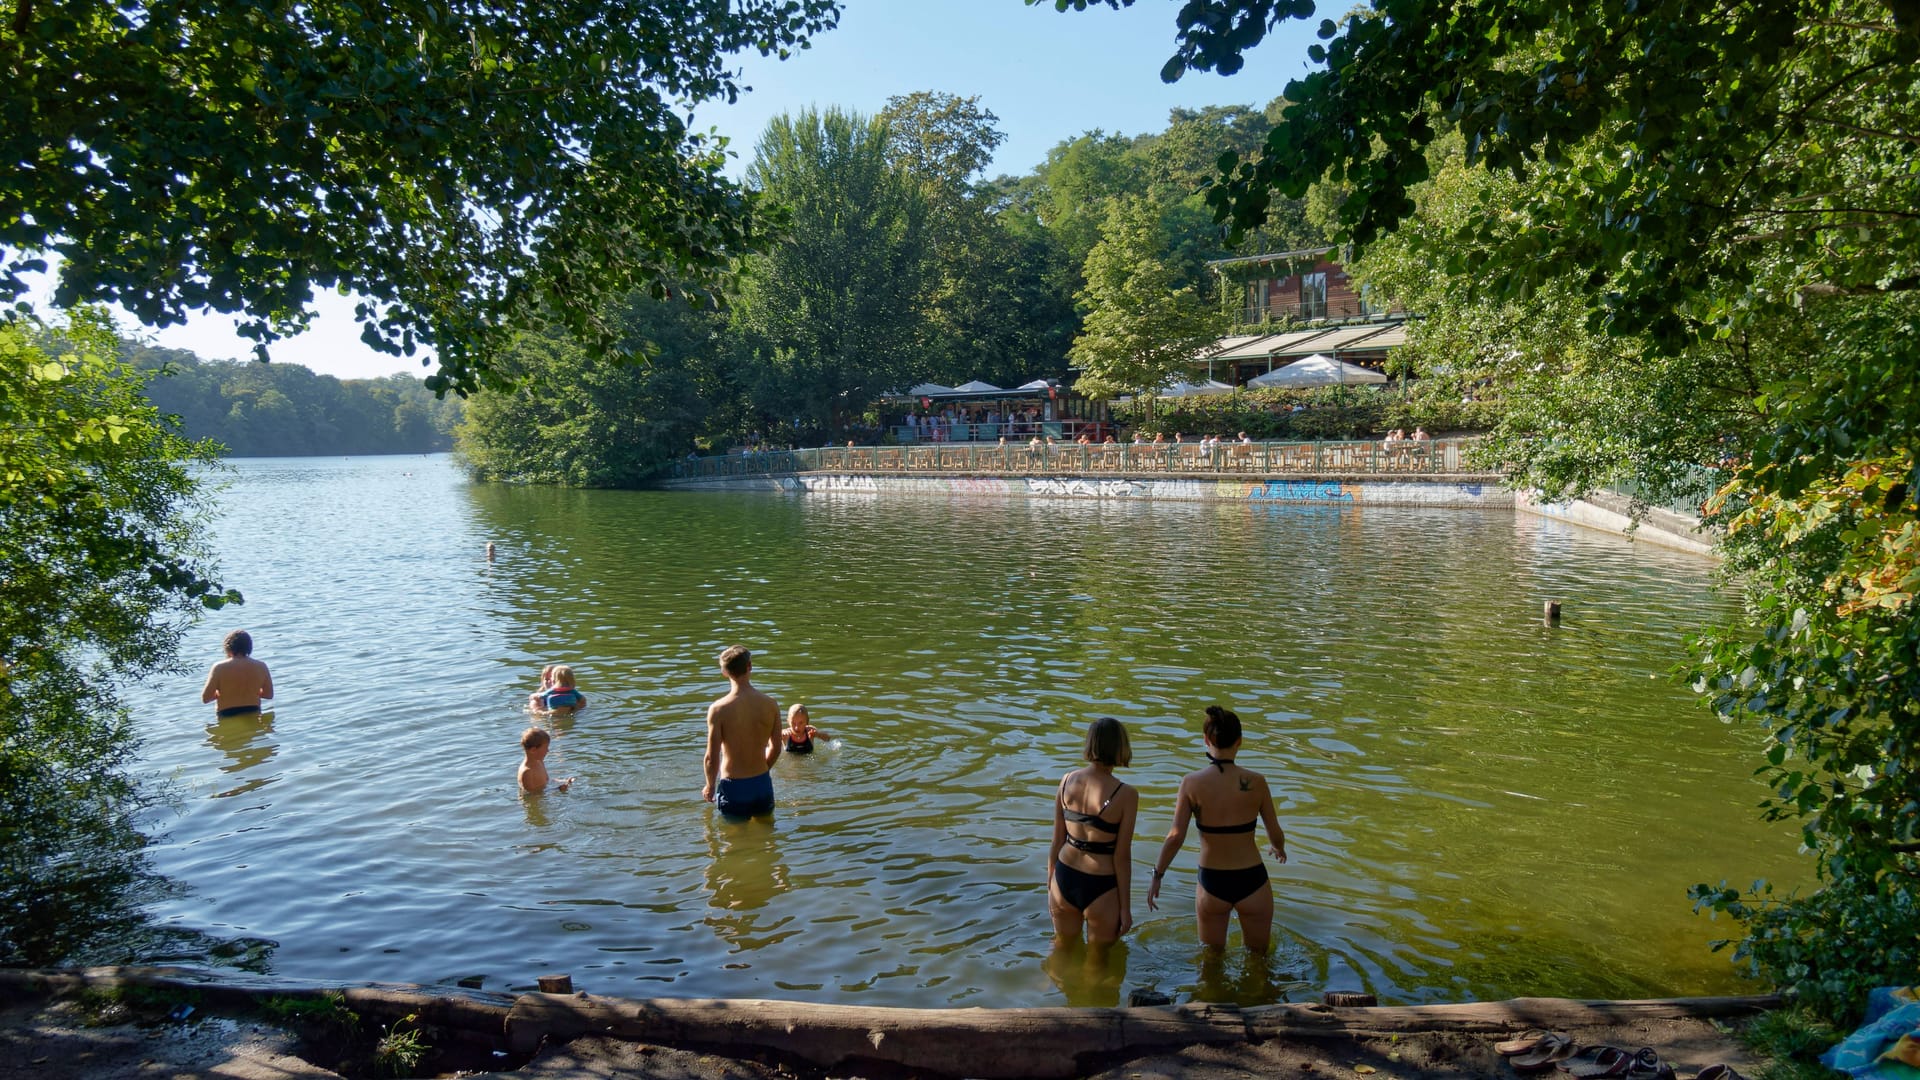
[[1526, 1042], [1537, 1052], [1613, 1063], [1719, 1072]]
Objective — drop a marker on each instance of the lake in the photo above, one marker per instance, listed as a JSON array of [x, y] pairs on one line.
[[1477, 805]]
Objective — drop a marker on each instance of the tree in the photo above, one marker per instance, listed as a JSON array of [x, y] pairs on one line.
[[473, 169], [1143, 328], [103, 563], [572, 421], [1709, 175], [987, 309], [832, 313]]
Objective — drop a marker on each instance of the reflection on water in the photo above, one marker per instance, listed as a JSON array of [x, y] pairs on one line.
[[1088, 976], [1477, 805], [745, 877], [247, 741]]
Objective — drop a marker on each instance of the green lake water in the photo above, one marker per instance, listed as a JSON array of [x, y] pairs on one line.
[[1477, 805]]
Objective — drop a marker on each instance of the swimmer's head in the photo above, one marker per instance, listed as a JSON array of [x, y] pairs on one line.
[[238, 643], [563, 676], [1107, 743], [736, 660], [1222, 728], [797, 716], [534, 739]]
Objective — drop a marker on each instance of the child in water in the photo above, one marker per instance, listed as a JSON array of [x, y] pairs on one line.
[[557, 690], [800, 733], [534, 744]]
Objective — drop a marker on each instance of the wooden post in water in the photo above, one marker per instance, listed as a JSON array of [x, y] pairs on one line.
[[1553, 613], [556, 984]]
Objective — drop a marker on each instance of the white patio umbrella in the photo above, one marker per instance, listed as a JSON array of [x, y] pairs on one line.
[[1317, 370], [928, 389], [1210, 388]]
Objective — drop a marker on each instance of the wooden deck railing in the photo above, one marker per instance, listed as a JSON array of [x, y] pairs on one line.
[[1438, 456]]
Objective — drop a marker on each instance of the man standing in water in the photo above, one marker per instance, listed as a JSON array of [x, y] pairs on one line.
[[743, 742], [239, 683]]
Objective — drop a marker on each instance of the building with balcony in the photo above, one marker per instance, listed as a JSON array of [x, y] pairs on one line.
[[1294, 304]]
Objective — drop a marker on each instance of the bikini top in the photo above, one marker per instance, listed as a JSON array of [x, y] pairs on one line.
[[1096, 823], [1221, 764]]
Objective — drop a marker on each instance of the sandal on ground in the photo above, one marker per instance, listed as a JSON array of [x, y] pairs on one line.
[[1549, 1050], [1609, 1062], [1719, 1072], [1526, 1042]]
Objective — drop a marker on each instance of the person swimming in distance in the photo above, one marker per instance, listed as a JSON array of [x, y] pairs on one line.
[[1233, 880], [238, 684], [1090, 862], [801, 732], [561, 694], [743, 741]]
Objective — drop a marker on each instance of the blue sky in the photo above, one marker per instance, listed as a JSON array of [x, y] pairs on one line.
[[1047, 75]]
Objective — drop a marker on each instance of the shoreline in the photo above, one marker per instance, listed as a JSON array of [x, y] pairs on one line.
[[991, 1044]]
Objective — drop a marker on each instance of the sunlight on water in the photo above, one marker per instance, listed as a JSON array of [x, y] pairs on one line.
[[1477, 805]]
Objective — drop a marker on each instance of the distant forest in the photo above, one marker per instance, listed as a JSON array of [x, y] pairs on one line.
[[285, 410]]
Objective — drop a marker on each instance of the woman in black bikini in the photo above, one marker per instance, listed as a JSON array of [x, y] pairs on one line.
[[1226, 801], [1090, 865]]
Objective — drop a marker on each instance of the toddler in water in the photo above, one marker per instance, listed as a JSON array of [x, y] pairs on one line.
[[534, 744], [800, 733], [557, 690]]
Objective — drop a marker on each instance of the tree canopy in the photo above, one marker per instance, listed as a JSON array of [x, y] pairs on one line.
[[832, 313], [103, 564], [1763, 149], [471, 168]]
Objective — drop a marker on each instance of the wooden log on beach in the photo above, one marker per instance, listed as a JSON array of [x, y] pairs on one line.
[[986, 1043], [460, 1009], [1322, 1021]]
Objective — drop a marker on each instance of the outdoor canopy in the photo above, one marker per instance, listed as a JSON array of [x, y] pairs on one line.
[[1209, 388], [1317, 370]]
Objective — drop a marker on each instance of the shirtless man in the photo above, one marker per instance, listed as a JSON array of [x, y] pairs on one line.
[[239, 683], [743, 742]]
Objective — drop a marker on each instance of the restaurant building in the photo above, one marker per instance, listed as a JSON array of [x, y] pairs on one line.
[[1295, 304]]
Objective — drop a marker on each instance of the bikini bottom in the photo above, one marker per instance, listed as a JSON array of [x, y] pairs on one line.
[[1079, 888], [1233, 886], [239, 710]]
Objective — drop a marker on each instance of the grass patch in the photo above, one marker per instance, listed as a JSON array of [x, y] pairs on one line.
[[400, 1051], [328, 1010], [1792, 1040], [106, 1006]]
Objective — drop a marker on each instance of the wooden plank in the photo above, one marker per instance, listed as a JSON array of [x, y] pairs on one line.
[[993, 1044], [1276, 1021]]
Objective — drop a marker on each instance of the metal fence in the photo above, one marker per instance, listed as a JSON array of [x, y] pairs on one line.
[[1438, 456]]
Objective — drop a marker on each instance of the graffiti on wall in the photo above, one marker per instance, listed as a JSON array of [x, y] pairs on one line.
[[841, 483], [1300, 491], [1075, 487]]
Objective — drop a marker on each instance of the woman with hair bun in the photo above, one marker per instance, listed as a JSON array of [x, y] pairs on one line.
[[1090, 865], [1226, 801]]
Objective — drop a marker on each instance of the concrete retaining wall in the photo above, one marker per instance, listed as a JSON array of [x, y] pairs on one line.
[[1662, 528], [1340, 491], [1603, 512]]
